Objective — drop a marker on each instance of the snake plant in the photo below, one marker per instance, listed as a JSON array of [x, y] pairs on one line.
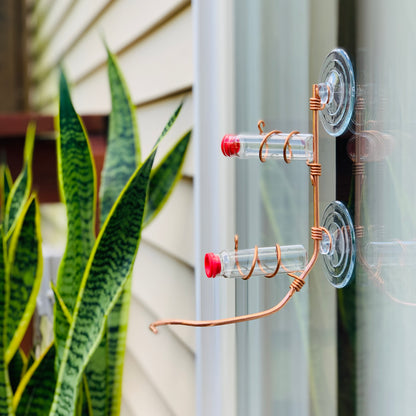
[[80, 372]]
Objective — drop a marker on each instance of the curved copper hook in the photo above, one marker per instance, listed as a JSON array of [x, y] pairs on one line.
[[260, 125]]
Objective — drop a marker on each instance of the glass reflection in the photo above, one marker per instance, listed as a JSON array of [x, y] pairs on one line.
[[382, 150]]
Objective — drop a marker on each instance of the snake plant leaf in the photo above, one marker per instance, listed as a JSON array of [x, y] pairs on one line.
[[118, 318], [164, 178], [96, 374], [86, 408], [6, 184], [20, 190], [84, 400], [121, 160], [169, 124], [77, 180], [123, 148], [109, 265], [5, 389], [34, 394], [17, 367], [117, 337], [25, 258]]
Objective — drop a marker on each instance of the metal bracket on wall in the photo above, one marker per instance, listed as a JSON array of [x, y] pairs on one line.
[[333, 99]]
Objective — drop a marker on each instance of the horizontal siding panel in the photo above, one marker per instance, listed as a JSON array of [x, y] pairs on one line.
[[122, 24], [166, 287], [126, 409], [152, 69], [77, 19], [167, 363], [51, 13], [152, 119], [172, 229], [43, 97], [139, 396]]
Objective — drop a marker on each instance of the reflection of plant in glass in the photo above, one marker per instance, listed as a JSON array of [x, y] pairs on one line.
[[81, 371]]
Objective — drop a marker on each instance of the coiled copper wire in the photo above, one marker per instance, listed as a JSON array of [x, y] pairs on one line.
[[256, 260], [358, 168], [297, 283], [264, 143], [316, 233], [315, 100], [287, 145], [359, 231], [315, 171]]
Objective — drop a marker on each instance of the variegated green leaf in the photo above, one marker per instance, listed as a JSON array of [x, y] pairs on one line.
[[6, 184], [17, 367], [107, 270], [121, 160], [96, 374], [84, 407], [123, 148], [118, 320], [25, 258], [20, 190], [117, 337], [164, 178], [5, 390], [35, 392], [169, 124], [85, 402], [78, 189]]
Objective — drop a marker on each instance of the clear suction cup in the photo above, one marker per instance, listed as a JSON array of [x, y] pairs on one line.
[[337, 90], [338, 255]]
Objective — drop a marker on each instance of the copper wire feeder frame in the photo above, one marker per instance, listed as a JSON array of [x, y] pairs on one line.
[[316, 230]]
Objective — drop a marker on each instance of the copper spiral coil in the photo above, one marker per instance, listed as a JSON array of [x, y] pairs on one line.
[[359, 231], [264, 143], [256, 260], [279, 259], [359, 104], [297, 283], [316, 233], [287, 145], [315, 101], [315, 104], [315, 171], [358, 168]]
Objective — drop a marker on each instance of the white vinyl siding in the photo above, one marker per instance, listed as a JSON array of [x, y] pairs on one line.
[[153, 44]]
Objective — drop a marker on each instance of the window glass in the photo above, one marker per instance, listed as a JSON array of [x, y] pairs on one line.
[[279, 358]]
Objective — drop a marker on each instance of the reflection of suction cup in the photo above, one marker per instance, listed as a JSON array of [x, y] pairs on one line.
[[339, 257], [337, 90]]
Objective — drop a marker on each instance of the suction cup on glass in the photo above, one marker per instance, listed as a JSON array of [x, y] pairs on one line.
[[337, 90], [338, 255]]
